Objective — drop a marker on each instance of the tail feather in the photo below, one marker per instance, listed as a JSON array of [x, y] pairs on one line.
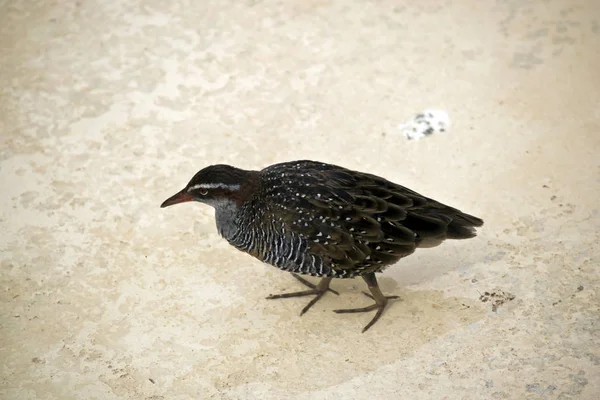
[[463, 226]]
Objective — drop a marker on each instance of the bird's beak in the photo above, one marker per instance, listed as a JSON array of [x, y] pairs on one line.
[[180, 197]]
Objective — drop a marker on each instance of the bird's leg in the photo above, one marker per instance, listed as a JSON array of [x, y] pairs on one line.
[[380, 300], [318, 290]]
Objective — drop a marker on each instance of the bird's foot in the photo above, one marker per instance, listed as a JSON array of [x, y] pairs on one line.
[[380, 301], [317, 290]]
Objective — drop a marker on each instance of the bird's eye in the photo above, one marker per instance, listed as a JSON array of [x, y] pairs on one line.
[[203, 191]]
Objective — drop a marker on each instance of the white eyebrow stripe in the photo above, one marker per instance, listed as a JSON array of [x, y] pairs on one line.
[[214, 186]]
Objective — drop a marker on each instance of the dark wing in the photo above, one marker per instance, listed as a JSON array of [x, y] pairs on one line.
[[344, 217], [359, 222]]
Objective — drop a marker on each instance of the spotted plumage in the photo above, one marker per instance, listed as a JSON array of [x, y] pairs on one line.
[[323, 220]]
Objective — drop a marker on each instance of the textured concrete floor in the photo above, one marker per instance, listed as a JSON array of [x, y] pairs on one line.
[[108, 107]]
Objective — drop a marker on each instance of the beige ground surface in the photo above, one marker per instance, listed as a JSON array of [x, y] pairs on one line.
[[108, 107]]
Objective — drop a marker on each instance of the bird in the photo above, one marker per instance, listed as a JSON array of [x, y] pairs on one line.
[[313, 218]]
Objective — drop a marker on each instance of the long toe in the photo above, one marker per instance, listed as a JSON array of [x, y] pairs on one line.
[[375, 318], [369, 295], [317, 290], [312, 302], [378, 307], [293, 294], [318, 293], [357, 310], [323, 283]]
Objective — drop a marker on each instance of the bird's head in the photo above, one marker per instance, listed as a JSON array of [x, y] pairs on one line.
[[215, 185]]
